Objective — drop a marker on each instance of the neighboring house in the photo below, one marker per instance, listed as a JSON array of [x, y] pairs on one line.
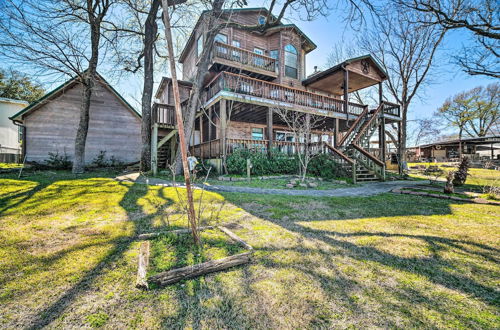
[[478, 148], [50, 124], [252, 74], [10, 146]]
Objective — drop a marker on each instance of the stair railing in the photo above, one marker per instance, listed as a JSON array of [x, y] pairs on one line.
[[369, 161], [354, 125], [347, 164]]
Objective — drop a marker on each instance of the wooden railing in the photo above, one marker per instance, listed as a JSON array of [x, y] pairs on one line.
[[244, 57], [355, 126], [206, 150], [226, 81], [163, 114], [391, 108], [348, 165]]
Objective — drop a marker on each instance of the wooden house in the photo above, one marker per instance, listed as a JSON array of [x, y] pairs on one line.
[[253, 74], [10, 146], [49, 124]]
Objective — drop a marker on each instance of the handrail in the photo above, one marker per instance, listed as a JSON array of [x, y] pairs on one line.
[[369, 155], [221, 44], [361, 116], [368, 123], [264, 89], [338, 152]]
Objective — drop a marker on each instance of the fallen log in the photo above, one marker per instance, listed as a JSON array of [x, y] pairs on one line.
[[235, 238], [184, 273], [177, 231], [141, 281]]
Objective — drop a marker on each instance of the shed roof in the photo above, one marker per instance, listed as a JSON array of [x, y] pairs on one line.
[[63, 87]]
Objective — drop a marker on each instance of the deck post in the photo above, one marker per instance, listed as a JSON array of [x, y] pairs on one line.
[[154, 149], [223, 127], [336, 133], [270, 136], [400, 154], [380, 92], [173, 148], [381, 142], [210, 133], [346, 93], [201, 128]]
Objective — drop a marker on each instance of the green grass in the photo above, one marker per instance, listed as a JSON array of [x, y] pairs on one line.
[[68, 259], [440, 192], [9, 166], [174, 251], [476, 180]]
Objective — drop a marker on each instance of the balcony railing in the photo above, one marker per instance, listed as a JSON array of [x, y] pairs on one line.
[[163, 114], [391, 109], [226, 81], [244, 57]]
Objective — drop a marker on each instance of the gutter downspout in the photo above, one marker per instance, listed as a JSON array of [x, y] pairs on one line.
[[23, 129]]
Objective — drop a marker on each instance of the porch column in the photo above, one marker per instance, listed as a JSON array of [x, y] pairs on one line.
[[173, 148], [380, 92], [381, 140], [336, 133], [270, 137], [201, 128], [210, 132], [346, 92], [223, 127], [400, 155], [492, 152], [154, 149]]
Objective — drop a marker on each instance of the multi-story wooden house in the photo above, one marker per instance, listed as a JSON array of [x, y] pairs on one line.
[[252, 74]]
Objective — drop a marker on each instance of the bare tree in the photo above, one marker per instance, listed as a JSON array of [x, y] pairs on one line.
[[60, 36], [427, 129], [479, 17], [301, 125], [406, 51]]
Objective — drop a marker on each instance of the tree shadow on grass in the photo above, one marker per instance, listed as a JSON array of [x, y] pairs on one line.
[[130, 204], [434, 268]]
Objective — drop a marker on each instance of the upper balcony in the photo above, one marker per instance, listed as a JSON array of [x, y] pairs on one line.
[[229, 58]]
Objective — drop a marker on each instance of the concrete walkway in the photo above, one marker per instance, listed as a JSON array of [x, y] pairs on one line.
[[366, 189]]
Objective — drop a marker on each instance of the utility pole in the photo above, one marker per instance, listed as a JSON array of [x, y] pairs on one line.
[[178, 116]]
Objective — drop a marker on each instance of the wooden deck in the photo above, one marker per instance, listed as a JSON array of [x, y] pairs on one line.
[[261, 92]]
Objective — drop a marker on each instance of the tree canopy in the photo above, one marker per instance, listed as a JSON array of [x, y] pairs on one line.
[[19, 86]]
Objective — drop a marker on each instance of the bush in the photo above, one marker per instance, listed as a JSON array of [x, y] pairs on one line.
[[57, 161], [325, 167], [101, 161], [202, 169], [462, 172], [278, 163]]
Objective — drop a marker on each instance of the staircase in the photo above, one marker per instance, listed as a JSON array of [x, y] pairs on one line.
[[351, 152]]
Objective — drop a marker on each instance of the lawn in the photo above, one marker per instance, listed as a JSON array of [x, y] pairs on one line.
[[8, 166], [68, 258], [477, 179]]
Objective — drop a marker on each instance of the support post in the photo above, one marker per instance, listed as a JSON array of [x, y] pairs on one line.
[[346, 93], [270, 136], [201, 129], [400, 155], [210, 132], [223, 128], [492, 152], [336, 133], [382, 142], [380, 92], [154, 149], [173, 148]]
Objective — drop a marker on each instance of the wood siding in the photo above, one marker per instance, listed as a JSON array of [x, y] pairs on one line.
[[112, 128]]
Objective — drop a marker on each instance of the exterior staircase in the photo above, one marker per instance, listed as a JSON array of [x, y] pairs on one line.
[[351, 153]]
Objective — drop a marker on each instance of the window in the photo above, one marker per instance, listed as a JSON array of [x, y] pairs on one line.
[[262, 20], [221, 37], [199, 45], [236, 53], [257, 134], [291, 61], [258, 61], [276, 55]]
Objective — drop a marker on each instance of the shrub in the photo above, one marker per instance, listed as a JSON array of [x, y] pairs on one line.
[[100, 159], [278, 163], [324, 166], [59, 161], [462, 172]]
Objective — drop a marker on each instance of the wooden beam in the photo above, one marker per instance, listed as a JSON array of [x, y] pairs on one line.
[[346, 92], [173, 149], [141, 281], [223, 126], [270, 137], [166, 138], [210, 138], [380, 92], [154, 149]]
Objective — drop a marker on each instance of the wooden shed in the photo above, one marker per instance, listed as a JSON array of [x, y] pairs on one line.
[[49, 124]]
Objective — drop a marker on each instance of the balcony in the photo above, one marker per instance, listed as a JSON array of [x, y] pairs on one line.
[[230, 58], [260, 92]]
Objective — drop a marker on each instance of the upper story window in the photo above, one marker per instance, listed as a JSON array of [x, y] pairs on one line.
[[291, 59], [236, 53], [276, 55], [258, 61], [199, 45], [221, 37], [262, 20]]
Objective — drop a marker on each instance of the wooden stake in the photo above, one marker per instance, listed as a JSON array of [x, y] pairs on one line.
[[180, 123], [143, 266]]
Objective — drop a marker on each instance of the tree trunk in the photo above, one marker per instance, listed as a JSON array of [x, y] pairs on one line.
[[460, 144], [88, 81], [150, 30]]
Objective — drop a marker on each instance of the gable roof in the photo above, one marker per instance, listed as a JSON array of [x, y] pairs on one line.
[[63, 87], [311, 45]]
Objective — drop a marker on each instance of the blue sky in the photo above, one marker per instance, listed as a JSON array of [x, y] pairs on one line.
[[328, 31]]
